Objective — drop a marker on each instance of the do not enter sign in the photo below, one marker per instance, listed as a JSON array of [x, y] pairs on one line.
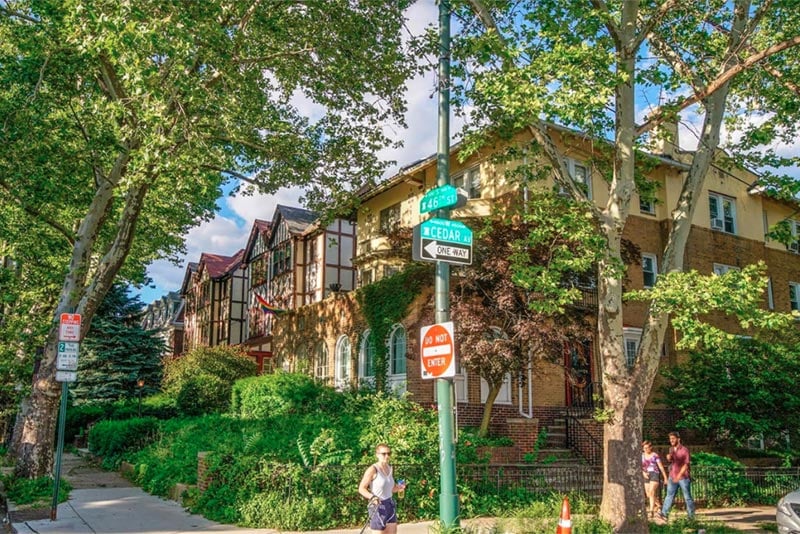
[[438, 352]]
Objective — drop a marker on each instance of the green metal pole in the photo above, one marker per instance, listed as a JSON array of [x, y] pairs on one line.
[[448, 495], [62, 421]]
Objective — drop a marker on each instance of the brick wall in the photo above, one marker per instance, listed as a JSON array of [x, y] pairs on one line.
[[202, 471]]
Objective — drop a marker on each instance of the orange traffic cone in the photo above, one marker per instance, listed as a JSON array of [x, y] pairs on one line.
[[564, 522]]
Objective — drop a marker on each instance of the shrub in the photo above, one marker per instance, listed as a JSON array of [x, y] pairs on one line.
[[111, 439], [203, 393], [34, 490], [277, 394], [202, 379], [721, 481]]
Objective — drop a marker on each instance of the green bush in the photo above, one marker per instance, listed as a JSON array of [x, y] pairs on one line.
[[81, 417], [203, 393], [111, 439], [720, 480], [278, 394], [201, 380]]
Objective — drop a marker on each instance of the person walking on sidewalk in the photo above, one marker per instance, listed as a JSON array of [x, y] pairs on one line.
[[679, 475], [654, 473], [377, 486]]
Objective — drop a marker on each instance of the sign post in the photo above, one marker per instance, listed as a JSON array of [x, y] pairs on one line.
[[69, 336], [448, 492]]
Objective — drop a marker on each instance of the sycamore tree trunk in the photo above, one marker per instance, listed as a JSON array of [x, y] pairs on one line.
[[90, 276]]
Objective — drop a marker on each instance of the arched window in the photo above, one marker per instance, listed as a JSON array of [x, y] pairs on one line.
[[321, 360], [366, 359], [397, 359], [343, 357]]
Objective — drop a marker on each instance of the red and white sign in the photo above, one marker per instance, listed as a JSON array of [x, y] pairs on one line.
[[69, 328], [438, 352]]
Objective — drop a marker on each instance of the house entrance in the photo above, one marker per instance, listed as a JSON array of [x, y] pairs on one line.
[[578, 366]]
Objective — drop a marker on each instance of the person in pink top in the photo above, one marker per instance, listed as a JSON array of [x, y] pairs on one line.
[[654, 473], [679, 476]]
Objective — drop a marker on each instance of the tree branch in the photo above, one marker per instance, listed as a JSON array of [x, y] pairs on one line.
[[658, 16], [486, 18], [659, 116], [612, 28]]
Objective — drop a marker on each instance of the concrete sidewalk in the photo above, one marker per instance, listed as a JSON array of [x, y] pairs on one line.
[[123, 510], [103, 502]]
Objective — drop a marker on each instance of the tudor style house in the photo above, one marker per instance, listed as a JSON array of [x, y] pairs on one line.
[[215, 295], [729, 229], [288, 262]]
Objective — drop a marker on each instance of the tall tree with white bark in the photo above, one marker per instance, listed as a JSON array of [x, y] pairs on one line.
[[588, 66], [120, 122]]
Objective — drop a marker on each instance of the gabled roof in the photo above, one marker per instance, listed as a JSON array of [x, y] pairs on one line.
[[218, 265], [407, 171], [191, 268], [297, 220], [260, 227]]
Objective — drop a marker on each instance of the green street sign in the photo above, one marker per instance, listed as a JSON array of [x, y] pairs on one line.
[[440, 197], [442, 240]]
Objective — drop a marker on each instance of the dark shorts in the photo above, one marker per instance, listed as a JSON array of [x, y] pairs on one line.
[[385, 514], [653, 477]]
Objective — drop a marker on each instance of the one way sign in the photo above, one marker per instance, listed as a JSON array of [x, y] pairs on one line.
[[442, 240]]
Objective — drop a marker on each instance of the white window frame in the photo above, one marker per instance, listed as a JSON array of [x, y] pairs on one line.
[[722, 222], [470, 181], [647, 206], [366, 360], [794, 246], [503, 396], [397, 379], [343, 359], [794, 296], [573, 166], [653, 272], [321, 362], [631, 338], [459, 385], [720, 269]]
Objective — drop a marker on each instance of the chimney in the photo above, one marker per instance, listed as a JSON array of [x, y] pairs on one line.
[[664, 139]]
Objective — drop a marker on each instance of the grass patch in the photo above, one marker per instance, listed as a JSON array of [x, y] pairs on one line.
[[34, 492]]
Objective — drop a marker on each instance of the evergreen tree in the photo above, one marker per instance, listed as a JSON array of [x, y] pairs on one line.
[[117, 353]]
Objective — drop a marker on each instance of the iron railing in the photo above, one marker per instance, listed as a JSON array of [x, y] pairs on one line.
[[583, 442]]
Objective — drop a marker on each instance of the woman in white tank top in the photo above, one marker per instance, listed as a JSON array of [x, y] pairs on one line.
[[378, 485]]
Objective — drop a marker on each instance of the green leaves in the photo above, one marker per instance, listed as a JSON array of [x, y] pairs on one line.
[[696, 303]]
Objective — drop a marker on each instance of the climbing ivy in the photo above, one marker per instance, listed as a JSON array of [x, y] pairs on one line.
[[384, 303]]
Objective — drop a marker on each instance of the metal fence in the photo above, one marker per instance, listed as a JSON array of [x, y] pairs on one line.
[[711, 486]]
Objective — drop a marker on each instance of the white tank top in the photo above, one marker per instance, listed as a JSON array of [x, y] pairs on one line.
[[382, 485]]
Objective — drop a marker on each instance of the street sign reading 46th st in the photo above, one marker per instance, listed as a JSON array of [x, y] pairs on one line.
[[442, 240]]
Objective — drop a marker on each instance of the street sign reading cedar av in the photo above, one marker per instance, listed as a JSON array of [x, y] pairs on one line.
[[442, 240], [69, 327], [438, 357]]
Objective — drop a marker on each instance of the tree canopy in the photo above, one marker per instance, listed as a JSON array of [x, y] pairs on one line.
[[120, 122]]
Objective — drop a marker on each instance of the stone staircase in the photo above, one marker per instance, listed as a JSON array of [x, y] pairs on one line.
[[555, 450]]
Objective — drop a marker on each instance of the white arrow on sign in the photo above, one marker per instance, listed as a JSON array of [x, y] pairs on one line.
[[431, 248]]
